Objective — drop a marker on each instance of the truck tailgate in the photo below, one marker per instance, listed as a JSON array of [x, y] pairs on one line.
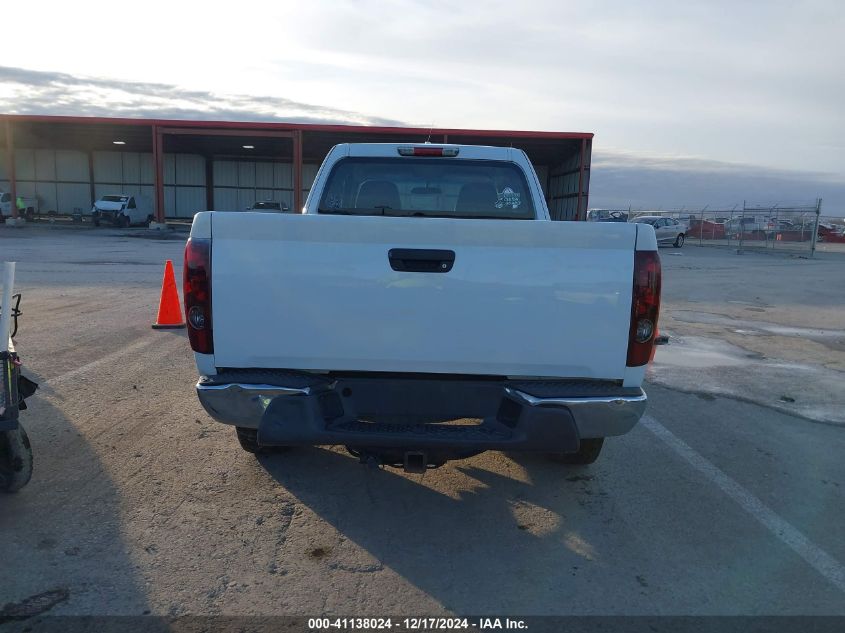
[[523, 298]]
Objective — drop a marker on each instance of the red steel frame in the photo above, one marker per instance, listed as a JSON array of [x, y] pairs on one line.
[[294, 131], [213, 131], [303, 127], [91, 191], [297, 170], [158, 174], [10, 160], [581, 178]]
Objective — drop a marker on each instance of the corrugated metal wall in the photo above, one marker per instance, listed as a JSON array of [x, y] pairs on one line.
[[239, 183], [61, 179], [184, 185], [561, 183], [58, 178]]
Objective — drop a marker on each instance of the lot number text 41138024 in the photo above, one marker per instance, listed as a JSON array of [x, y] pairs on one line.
[[416, 624]]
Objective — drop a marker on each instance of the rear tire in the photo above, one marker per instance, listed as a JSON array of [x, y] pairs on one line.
[[15, 460], [248, 439], [587, 453], [679, 241]]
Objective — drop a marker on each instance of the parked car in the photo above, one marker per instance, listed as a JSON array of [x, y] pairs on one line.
[[269, 206], [749, 227], [826, 229], [667, 230], [423, 285], [604, 215], [796, 230], [837, 235], [120, 210], [708, 229], [30, 206]]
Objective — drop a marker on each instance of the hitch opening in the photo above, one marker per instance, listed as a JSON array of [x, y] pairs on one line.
[[415, 462]]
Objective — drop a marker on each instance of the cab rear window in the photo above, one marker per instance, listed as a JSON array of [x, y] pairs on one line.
[[436, 187]]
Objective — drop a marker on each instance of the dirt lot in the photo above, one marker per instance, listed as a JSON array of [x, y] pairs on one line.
[[726, 499]]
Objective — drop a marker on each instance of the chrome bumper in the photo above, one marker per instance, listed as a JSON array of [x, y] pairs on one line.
[[594, 417], [244, 405]]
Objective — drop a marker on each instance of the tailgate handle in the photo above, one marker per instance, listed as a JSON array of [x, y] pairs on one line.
[[421, 260]]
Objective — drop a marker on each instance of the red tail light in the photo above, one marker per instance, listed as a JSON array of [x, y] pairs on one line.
[[197, 292], [645, 307]]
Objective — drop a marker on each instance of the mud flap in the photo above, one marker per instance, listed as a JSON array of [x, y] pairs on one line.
[[26, 388], [549, 429], [291, 421]]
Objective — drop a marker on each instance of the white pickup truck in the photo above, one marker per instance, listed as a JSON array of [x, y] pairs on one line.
[[422, 308]]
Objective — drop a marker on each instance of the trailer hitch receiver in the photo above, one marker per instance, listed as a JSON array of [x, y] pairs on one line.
[[415, 462]]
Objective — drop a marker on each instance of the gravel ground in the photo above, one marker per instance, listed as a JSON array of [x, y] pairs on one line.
[[725, 500]]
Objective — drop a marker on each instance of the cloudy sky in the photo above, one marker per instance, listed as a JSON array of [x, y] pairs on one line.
[[691, 103]]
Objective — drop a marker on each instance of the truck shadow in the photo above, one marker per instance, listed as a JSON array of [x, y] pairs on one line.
[[484, 535], [61, 545]]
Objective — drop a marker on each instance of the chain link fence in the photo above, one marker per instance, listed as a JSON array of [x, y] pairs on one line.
[[796, 228]]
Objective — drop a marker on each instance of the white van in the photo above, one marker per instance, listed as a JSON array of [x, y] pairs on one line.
[[120, 210]]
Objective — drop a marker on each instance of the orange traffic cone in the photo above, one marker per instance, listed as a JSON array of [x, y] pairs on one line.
[[169, 310]]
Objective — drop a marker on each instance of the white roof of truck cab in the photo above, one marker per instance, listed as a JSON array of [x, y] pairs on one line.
[[477, 152]]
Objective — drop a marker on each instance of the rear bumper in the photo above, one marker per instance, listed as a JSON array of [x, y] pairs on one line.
[[386, 411]]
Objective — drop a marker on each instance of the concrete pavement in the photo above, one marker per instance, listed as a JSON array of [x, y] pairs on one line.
[[142, 504]]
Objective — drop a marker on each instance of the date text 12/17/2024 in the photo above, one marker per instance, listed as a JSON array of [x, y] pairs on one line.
[[415, 624]]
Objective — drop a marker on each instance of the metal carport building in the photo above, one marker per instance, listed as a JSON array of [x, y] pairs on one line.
[[181, 167]]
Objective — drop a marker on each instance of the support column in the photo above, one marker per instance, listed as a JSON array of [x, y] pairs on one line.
[[209, 183], [91, 192], [158, 180], [14, 219], [583, 158], [297, 171]]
